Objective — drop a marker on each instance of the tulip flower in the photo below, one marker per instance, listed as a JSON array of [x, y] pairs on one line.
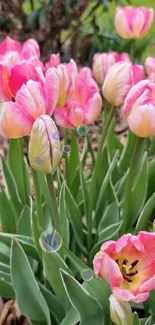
[[67, 74], [150, 65], [17, 65], [85, 105], [102, 62], [120, 78], [128, 265], [120, 311], [44, 148], [32, 100], [139, 109], [132, 23]]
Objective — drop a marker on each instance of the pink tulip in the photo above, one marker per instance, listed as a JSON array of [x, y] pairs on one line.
[[17, 65], [131, 22], [32, 100], [54, 61], [128, 265], [84, 107], [139, 109], [67, 74], [150, 65], [120, 78], [102, 63]]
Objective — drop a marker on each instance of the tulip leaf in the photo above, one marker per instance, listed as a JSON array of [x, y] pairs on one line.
[[19, 168], [145, 214], [151, 178], [75, 217], [30, 300], [84, 192], [88, 307], [110, 216], [136, 320], [6, 289], [72, 317], [111, 232], [12, 187], [53, 303], [7, 213], [45, 192], [127, 152], [65, 233], [24, 223]]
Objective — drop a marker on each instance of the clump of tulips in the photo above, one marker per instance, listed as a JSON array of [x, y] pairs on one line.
[[78, 247]]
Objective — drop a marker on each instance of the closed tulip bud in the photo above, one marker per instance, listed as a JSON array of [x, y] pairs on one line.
[[120, 311], [102, 63], [131, 22], [44, 145]]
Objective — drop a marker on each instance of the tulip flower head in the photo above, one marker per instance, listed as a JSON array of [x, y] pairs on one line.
[[102, 63], [139, 109], [84, 106], [150, 65], [131, 22], [128, 266], [54, 61], [120, 78]]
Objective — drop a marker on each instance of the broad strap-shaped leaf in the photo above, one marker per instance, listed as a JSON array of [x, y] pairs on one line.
[[7, 213], [64, 222], [145, 214], [24, 223], [72, 317], [88, 307], [73, 161], [110, 216], [30, 300], [6, 289], [111, 232]]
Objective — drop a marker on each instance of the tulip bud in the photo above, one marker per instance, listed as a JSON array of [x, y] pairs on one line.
[[117, 83], [44, 145], [120, 311]]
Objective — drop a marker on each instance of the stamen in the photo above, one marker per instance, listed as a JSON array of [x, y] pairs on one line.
[[134, 264], [129, 280], [125, 261], [132, 273], [117, 261]]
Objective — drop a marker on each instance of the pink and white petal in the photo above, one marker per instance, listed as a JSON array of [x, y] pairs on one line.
[[141, 297], [109, 270], [51, 88], [148, 21], [137, 23], [9, 45], [148, 240], [109, 247], [31, 99], [30, 49], [94, 108], [122, 294], [148, 285], [14, 123], [20, 74], [142, 121], [138, 73], [121, 24]]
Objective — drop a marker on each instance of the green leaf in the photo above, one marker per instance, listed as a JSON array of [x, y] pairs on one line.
[[111, 232], [24, 223], [65, 233], [45, 192], [89, 309], [7, 213], [110, 216], [127, 153], [151, 178], [139, 191], [30, 300], [4, 268], [75, 217], [72, 317], [136, 320], [19, 168], [53, 303], [12, 187], [6, 290], [84, 192], [145, 214]]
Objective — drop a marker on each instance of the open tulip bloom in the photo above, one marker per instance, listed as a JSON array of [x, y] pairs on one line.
[[77, 203]]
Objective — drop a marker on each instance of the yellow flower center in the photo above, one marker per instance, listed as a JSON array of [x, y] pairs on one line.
[[128, 269]]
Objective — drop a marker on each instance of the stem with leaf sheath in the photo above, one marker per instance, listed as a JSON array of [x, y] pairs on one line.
[[38, 198], [54, 205]]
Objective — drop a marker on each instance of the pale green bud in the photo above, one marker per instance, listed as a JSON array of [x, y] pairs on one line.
[[44, 145], [120, 311]]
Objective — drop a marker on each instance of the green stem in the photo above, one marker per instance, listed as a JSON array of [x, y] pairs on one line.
[[56, 218], [21, 157], [66, 156], [38, 198], [129, 183], [93, 184], [133, 50]]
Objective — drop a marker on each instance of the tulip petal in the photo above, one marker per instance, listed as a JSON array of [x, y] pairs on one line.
[[9, 45], [125, 295], [148, 285], [108, 269], [51, 88], [121, 24], [142, 121], [15, 123], [31, 98], [94, 109], [149, 15]]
